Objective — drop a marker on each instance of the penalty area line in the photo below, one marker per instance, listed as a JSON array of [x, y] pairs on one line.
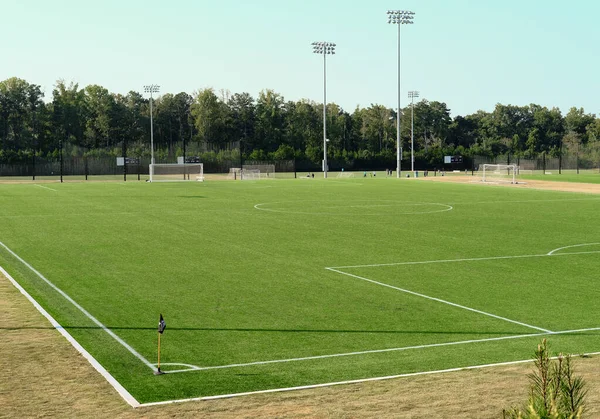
[[439, 300], [107, 376], [427, 262]]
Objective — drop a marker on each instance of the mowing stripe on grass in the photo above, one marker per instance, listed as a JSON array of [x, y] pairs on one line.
[[361, 380], [439, 300], [83, 310], [111, 380]]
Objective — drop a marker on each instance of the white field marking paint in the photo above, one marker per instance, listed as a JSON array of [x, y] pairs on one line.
[[191, 367], [361, 380], [425, 262], [439, 300], [568, 247], [445, 208], [45, 187], [356, 353], [111, 380], [83, 310]]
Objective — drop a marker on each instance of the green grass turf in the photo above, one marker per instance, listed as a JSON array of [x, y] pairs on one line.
[[240, 284]]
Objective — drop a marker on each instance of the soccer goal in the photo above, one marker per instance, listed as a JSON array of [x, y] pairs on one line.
[[265, 171], [177, 172], [250, 174], [345, 175], [234, 173], [500, 173]]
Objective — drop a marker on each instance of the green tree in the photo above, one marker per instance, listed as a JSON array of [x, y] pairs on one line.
[[269, 124], [577, 121], [20, 108], [69, 113], [211, 117]]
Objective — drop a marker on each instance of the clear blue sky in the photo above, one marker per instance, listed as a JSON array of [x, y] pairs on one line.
[[470, 54]]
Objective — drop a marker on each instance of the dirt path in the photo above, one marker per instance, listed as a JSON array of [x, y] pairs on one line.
[[526, 184]]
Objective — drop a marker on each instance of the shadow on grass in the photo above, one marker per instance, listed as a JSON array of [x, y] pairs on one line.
[[209, 329]]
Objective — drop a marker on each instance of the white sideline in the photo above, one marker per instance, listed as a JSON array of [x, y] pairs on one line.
[[83, 310], [439, 300], [111, 380], [361, 380]]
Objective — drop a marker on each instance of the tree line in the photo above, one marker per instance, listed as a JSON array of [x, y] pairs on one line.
[[93, 120]]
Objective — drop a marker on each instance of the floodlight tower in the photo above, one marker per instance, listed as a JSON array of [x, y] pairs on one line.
[[151, 88], [399, 17], [412, 95], [324, 48]]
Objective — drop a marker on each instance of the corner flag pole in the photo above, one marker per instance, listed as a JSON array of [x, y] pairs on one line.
[[161, 329], [159, 352]]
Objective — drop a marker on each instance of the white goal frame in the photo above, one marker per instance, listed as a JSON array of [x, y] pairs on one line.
[[265, 171], [173, 172], [499, 173], [250, 174]]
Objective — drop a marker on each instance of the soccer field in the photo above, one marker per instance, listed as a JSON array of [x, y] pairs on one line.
[[286, 283]]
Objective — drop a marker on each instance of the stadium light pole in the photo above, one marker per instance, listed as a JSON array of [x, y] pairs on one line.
[[324, 48], [151, 88], [399, 17], [412, 95]]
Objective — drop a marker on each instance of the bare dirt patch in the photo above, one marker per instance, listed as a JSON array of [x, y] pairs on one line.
[[43, 375], [527, 184]]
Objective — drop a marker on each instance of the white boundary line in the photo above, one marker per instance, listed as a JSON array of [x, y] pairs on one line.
[[439, 300], [192, 367], [83, 310], [45, 187], [134, 403], [111, 380], [362, 380], [425, 262]]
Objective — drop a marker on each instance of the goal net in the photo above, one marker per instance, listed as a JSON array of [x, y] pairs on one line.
[[250, 174], [345, 175], [500, 173], [177, 172], [265, 171], [234, 173]]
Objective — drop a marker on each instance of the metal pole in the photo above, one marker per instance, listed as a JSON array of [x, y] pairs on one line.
[[399, 17], [324, 115], [398, 142], [412, 135], [324, 48], [151, 132]]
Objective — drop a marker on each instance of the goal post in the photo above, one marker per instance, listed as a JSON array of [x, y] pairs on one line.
[[499, 173], [192, 172], [265, 170], [250, 174]]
